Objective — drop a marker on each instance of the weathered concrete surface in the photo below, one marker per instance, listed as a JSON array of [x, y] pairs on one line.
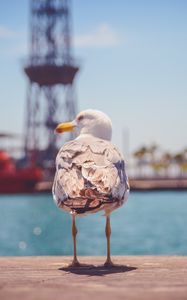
[[140, 277]]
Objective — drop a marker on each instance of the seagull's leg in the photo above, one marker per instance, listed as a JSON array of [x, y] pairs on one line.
[[108, 262], [75, 261]]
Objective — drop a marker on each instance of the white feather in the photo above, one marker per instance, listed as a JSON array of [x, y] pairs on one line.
[[91, 167]]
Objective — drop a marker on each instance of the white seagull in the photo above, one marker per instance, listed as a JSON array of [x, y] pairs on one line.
[[90, 172]]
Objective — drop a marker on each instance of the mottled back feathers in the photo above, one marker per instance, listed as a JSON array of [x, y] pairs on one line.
[[90, 176]]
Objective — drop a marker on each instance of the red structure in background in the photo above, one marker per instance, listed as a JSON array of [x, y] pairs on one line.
[[17, 180], [51, 71]]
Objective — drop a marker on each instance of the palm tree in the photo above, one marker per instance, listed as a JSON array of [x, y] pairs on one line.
[[166, 161], [181, 161], [154, 164], [141, 159]]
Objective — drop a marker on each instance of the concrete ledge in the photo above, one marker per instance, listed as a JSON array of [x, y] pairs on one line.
[[137, 277]]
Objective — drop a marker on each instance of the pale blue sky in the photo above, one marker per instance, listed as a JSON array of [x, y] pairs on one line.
[[134, 66]]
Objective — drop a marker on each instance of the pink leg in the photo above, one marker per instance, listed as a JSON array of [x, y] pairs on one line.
[[108, 262], [75, 262]]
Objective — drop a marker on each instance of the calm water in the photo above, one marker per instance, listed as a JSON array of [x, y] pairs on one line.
[[150, 223]]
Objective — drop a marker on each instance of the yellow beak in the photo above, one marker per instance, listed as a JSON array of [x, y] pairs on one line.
[[65, 127]]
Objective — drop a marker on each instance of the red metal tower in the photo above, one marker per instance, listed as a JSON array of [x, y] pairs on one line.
[[51, 72]]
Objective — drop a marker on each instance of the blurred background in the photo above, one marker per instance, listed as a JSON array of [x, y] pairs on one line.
[[126, 58]]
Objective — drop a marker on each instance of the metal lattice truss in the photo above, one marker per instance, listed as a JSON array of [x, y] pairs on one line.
[[51, 71]]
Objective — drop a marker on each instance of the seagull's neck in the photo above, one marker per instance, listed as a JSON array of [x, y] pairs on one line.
[[89, 137], [85, 136]]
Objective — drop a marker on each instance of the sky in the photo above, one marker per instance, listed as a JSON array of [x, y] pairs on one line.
[[133, 66]]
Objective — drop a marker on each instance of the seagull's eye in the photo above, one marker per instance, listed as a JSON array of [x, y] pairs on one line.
[[80, 118]]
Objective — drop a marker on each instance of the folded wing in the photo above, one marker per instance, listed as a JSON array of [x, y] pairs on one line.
[[89, 170]]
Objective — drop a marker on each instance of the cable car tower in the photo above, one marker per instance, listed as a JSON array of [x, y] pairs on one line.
[[51, 72]]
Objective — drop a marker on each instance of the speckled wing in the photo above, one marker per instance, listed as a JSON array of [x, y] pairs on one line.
[[90, 176]]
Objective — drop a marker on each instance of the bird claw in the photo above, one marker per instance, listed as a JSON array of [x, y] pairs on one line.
[[77, 264], [108, 263]]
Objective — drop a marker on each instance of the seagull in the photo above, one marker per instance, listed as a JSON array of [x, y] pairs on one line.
[[90, 173]]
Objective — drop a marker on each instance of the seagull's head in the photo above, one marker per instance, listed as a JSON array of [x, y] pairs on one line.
[[92, 122]]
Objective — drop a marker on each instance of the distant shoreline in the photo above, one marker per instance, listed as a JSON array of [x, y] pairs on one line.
[[137, 184], [151, 184]]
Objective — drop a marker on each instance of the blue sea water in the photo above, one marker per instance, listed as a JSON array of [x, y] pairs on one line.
[[150, 223]]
